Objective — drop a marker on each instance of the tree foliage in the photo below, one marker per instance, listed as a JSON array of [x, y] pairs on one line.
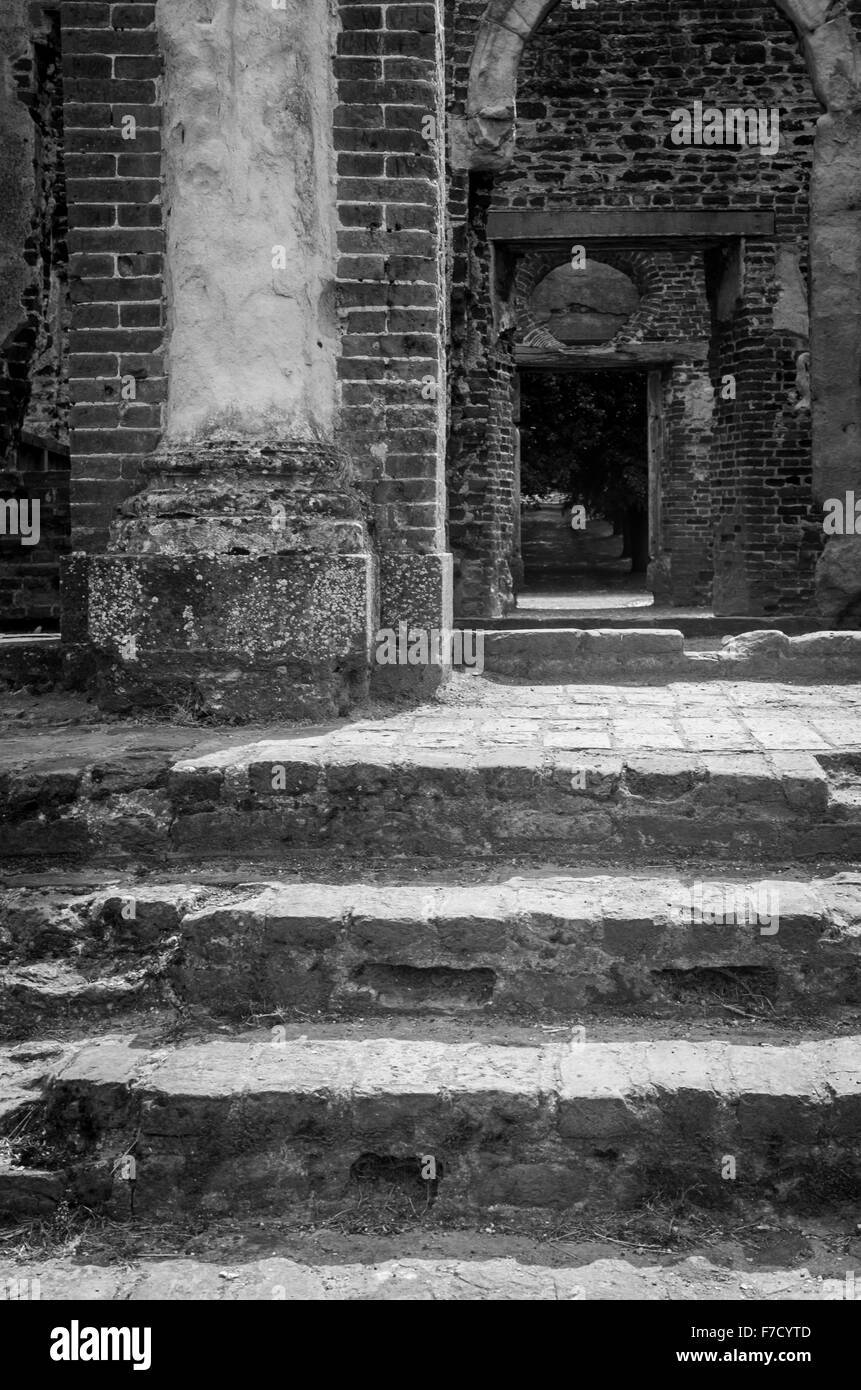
[[584, 435]]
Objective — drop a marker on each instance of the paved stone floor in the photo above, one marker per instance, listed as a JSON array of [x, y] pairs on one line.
[[476, 714], [716, 716]]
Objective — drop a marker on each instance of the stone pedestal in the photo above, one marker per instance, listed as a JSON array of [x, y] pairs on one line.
[[238, 584]]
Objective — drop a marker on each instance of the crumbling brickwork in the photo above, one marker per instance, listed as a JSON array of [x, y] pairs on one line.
[[767, 529], [481, 497], [34, 405]]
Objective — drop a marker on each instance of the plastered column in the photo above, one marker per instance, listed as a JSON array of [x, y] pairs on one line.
[[240, 578]]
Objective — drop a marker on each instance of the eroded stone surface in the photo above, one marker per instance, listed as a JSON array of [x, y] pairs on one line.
[[670, 946], [415, 1279], [237, 1124]]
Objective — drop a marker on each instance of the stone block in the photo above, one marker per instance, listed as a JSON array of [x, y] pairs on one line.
[[524, 653], [629, 644], [749, 646], [235, 637], [415, 604], [844, 647]]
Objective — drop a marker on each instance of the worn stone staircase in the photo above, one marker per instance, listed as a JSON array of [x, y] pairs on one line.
[[528, 964]]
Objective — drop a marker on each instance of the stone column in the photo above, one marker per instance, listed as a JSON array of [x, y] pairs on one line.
[[239, 579]]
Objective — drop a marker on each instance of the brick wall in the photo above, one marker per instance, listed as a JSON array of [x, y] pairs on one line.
[[596, 89], [388, 135], [30, 574], [111, 68], [34, 405]]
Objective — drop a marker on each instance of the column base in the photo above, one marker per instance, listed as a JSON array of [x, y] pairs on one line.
[[239, 584], [232, 638]]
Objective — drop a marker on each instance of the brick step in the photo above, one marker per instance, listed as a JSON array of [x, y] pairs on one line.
[[31, 1193], [541, 654], [253, 1123], [536, 947], [380, 792], [31, 662], [503, 1279]]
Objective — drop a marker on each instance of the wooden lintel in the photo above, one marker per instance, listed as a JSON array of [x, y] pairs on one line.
[[613, 359], [519, 225]]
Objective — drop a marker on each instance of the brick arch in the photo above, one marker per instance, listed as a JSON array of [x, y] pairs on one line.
[[507, 25], [536, 265]]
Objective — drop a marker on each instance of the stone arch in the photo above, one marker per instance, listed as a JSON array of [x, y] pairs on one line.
[[503, 30]]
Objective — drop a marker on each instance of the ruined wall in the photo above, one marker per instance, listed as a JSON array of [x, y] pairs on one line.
[[34, 403], [595, 92], [391, 302], [596, 88], [767, 533]]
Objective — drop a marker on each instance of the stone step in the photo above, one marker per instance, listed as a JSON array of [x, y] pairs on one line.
[[541, 654], [544, 946], [552, 649], [378, 792], [407, 1279], [252, 1123]]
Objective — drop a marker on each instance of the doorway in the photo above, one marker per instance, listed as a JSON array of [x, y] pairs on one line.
[[586, 497]]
